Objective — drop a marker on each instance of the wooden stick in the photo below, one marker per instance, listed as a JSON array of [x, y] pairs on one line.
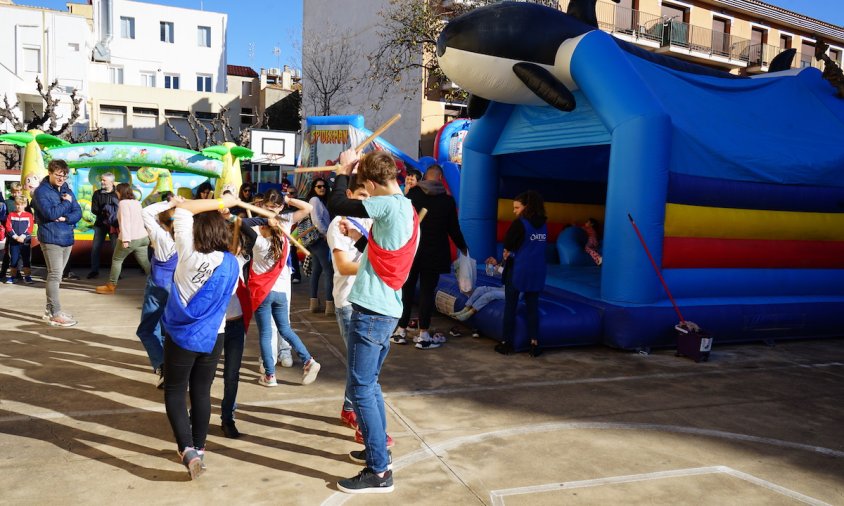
[[269, 214], [366, 142], [383, 128], [422, 214]]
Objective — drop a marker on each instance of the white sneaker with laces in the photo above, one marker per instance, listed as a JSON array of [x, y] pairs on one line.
[[268, 380], [310, 371], [285, 358], [62, 320]]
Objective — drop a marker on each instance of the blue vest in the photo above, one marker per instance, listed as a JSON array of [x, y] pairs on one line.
[[529, 266], [194, 326], [162, 272]]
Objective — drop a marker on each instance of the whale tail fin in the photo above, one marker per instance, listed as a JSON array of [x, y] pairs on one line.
[[782, 61]]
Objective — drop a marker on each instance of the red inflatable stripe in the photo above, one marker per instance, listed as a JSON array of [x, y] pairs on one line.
[[694, 252], [554, 230]]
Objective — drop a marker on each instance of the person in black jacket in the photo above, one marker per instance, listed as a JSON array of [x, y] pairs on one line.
[[433, 257], [103, 203]]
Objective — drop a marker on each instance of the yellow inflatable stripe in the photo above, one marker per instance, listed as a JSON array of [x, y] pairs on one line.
[[557, 213], [725, 223]]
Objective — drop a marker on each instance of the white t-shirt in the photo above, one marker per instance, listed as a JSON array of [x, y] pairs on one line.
[[194, 268], [162, 242], [262, 261], [337, 241]]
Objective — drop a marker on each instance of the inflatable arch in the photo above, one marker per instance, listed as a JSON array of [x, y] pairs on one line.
[[743, 215]]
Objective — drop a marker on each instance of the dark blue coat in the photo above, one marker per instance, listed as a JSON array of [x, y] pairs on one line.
[[48, 206]]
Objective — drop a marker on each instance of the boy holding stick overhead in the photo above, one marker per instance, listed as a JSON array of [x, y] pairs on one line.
[[376, 302]]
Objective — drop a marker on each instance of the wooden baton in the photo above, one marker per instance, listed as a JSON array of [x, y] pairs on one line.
[[269, 214]]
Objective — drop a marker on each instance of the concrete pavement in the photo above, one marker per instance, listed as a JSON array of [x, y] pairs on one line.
[[82, 423]]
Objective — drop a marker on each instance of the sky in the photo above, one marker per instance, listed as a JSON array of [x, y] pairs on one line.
[[263, 25]]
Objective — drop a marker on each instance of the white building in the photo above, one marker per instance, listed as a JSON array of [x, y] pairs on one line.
[[47, 44], [155, 62], [363, 25]]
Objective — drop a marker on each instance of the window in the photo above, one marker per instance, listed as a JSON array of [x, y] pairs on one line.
[[179, 121], [676, 17], [203, 36], [167, 31], [720, 36], [246, 115], [203, 82], [785, 41], [171, 81], [807, 53], [127, 27], [144, 123], [115, 75], [32, 59], [835, 55], [113, 118], [245, 89], [73, 47], [205, 116], [148, 79], [758, 38]]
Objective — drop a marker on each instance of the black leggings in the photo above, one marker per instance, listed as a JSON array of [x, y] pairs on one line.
[[427, 291], [183, 367]]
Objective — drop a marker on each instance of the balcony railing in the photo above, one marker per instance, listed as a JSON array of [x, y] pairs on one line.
[[703, 40]]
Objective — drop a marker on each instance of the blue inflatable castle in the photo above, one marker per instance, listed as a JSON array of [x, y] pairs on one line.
[[737, 184]]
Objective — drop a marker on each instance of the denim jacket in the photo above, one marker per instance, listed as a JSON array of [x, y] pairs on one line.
[[48, 207]]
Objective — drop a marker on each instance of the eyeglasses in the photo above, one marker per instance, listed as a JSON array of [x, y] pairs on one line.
[[59, 176], [319, 186]]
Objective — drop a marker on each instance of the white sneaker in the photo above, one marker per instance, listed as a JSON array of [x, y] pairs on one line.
[[427, 345], [61, 320], [285, 358], [310, 371], [268, 380]]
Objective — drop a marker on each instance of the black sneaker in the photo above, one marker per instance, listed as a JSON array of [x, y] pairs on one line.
[[93, 275], [72, 276], [367, 482], [504, 349], [230, 431], [359, 457], [427, 345]]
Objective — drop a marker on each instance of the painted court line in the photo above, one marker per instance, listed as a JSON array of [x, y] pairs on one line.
[[497, 496], [439, 450]]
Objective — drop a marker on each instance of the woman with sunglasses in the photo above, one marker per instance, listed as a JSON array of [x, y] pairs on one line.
[[317, 197]]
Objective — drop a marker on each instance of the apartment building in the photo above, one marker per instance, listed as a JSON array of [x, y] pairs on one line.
[[739, 36], [260, 91], [153, 63], [47, 44]]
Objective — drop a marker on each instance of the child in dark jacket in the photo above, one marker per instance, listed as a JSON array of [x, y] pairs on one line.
[[19, 231]]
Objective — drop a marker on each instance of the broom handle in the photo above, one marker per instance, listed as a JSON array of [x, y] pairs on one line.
[[269, 214], [653, 262], [380, 130]]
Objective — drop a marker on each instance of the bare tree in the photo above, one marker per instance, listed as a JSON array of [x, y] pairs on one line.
[[408, 36], [329, 67], [49, 120], [216, 131]]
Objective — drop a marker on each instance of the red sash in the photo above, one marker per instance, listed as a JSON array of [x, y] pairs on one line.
[[260, 285], [245, 298], [393, 266]]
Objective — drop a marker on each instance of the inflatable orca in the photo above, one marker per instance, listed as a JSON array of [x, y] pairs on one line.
[[519, 53]]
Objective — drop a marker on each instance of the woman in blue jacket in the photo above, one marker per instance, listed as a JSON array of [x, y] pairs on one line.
[[524, 268], [56, 212]]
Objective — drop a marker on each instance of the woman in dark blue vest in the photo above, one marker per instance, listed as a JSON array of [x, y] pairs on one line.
[[524, 268]]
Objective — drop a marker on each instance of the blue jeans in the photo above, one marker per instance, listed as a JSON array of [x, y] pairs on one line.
[[511, 305], [344, 319], [235, 335], [483, 295], [275, 307], [369, 343], [100, 232], [322, 266], [150, 330]]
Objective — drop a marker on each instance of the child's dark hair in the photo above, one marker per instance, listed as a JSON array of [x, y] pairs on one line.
[[533, 202], [415, 173], [355, 183], [166, 196], [277, 240], [378, 167], [205, 186], [273, 199], [211, 232]]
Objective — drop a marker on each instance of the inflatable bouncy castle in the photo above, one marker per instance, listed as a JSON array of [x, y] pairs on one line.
[[737, 184]]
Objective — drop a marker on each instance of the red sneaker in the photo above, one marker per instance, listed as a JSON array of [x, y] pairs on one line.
[[359, 439], [349, 419]]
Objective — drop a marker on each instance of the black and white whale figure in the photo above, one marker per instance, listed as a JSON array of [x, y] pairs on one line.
[[519, 53]]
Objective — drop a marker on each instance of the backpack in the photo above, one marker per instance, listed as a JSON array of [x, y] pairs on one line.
[[109, 214]]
